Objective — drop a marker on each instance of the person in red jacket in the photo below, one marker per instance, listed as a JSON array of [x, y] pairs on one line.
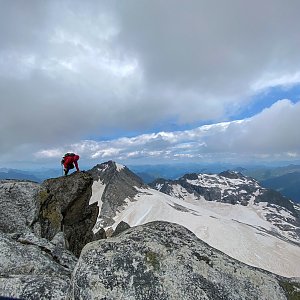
[[68, 161]]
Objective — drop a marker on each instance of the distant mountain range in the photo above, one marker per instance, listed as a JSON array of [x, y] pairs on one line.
[[17, 174], [33, 175], [284, 179], [173, 171], [264, 173], [236, 189]]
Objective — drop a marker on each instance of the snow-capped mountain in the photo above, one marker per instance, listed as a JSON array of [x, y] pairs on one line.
[[113, 186], [249, 223], [237, 189]]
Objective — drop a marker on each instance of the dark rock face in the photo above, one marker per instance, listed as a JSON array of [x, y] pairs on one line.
[[231, 175], [191, 176], [161, 260], [274, 197], [122, 226], [65, 207], [120, 184]]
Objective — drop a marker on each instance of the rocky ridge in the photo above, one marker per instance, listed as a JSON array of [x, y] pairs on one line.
[[236, 189]]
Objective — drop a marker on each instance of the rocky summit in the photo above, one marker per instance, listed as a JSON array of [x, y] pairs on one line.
[[76, 237], [165, 261]]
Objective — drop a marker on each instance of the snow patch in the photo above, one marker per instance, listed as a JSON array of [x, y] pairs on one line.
[[98, 188], [209, 181], [119, 167], [97, 192], [159, 186], [103, 169]]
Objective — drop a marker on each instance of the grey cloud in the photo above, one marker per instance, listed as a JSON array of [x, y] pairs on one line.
[[209, 43], [22, 24], [72, 69]]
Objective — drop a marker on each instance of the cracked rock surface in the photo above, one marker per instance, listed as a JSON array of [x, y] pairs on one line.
[[161, 260], [31, 267]]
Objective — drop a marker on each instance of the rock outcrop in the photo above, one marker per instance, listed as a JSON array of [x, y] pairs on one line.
[[162, 260], [34, 268], [31, 267], [18, 205], [122, 226], [65, 208]]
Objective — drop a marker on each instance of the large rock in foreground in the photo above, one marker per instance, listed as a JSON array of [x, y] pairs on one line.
[[161, 260], [33, 287], [65, 207], [31, 267], [34, 268], [18, 205]]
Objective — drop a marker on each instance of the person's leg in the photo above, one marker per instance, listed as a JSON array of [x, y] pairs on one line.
[[66, 171], [76, 165]]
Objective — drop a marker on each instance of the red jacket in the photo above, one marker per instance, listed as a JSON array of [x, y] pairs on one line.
[[70, 160]]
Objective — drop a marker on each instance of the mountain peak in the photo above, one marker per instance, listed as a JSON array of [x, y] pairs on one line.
[[108, 167], [232, 174], [111, 170], [111, 165], [113, 185]]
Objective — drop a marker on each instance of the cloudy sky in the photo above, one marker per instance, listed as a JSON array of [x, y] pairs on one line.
[[149, 81]]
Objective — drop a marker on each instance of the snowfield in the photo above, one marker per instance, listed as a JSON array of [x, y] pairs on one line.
[[240, 231]]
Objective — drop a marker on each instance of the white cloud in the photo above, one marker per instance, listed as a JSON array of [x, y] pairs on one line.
[[49, 153], [271, 134], [108, 152], [275, 80]]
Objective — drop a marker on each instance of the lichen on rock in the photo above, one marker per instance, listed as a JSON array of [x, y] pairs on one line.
[[65, 207], [161, 260]]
